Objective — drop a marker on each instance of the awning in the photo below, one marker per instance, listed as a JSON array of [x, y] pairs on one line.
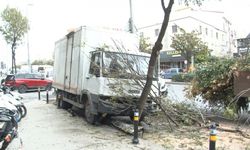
[[164, 57]]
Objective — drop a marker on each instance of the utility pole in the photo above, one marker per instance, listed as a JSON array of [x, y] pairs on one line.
[[28, 46], [131, 22]]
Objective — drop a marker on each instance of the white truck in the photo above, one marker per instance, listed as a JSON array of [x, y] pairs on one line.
[[101, 71]]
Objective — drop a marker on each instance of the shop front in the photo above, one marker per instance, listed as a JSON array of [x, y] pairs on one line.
[[172, 59]]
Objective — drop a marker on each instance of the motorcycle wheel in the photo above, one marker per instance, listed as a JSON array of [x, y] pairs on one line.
[[5, 145], [19, 116], [22, 109]]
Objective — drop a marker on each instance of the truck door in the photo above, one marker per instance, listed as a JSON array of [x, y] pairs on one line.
[[69, 50], [94, 73]]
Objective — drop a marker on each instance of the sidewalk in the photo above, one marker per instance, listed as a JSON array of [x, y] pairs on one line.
[[47, 127]]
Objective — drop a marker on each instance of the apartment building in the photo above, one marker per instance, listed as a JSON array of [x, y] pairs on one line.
[[212, 26]]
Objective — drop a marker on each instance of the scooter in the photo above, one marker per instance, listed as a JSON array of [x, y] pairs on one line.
[[8, 125], [14, 99], [163, 89], [5, 102]]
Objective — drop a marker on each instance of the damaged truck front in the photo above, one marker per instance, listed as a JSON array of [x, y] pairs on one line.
[[102, 72]]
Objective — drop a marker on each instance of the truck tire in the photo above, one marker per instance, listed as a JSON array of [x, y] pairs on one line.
[[89, 116], [22, 88]]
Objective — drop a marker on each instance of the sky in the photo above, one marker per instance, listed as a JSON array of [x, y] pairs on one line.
[[50, 20]]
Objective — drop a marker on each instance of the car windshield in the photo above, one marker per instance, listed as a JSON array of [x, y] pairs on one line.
[[10, 77], [125, 65]]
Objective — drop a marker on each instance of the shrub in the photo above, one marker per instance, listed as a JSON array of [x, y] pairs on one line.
[[230, 113], [183, 77], [214, 80]]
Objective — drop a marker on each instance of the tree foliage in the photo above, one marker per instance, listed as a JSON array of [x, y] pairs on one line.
[[214, 80], [14, 27], [43, 62], [144, 45], [190, 44]]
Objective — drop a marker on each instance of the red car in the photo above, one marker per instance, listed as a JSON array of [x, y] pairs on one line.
[[27, 81]]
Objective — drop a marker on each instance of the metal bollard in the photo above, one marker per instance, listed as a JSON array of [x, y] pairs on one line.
[[136, 123], [39, 94], [213, 136], [47, 96]]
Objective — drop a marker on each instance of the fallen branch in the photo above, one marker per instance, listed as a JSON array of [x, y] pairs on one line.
[[245, 135]]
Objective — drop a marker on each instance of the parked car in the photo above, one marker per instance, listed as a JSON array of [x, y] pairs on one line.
[[169, 73], [27, 81]]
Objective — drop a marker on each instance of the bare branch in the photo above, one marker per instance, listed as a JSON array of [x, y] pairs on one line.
[[163, 5]]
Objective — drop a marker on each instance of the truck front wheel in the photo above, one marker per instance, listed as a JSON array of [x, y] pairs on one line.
[[89, 116]]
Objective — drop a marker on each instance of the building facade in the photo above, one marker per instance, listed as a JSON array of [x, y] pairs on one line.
[[213, 28], [243, 47]]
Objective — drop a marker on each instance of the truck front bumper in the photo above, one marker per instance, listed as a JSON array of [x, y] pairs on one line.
[[119, 109]]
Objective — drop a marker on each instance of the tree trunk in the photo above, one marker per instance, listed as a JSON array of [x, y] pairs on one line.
[[154, 55], [12, 63], [13, 49]]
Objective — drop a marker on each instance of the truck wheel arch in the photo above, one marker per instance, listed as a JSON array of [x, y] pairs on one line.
[[87, 96], [90, 108]]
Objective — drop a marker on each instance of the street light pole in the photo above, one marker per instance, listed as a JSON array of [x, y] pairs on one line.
[[131, 22], [28, 46], [28, 49]]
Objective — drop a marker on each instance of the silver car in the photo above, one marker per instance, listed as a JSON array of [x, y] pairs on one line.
[[169, 73]]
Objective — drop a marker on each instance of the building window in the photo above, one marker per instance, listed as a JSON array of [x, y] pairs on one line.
[[156, 32], [200, 30], [217, 35], [142, 34], [206, 31], [174, 28]]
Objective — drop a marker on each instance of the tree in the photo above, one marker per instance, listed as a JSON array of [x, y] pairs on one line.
[[156, 50], [144, 44], [189, 44], [13, 29], [43, 62], [214, 79]]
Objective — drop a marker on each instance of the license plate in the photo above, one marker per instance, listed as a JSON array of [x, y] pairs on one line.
[[1, 125]]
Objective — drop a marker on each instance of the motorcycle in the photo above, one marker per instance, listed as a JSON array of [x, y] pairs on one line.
[[14, 99], [8, 125], [163, 89], [6, 101]]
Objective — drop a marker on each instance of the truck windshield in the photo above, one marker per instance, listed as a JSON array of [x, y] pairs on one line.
[[125, 65]]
